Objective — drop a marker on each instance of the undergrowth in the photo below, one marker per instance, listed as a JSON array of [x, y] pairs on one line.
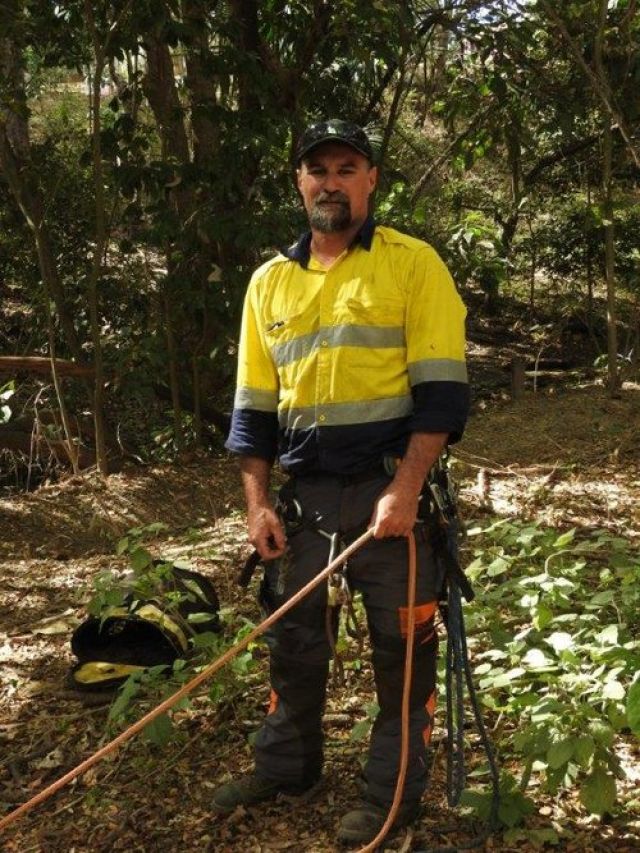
[[553, 635], [553, 640]]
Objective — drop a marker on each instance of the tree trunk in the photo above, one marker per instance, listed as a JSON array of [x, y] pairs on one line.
[[607, 208], [100, 243], [15, 162], [174, 381], [200, 83], [72, 450]]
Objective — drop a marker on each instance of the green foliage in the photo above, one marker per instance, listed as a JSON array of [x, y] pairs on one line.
[[514, 805], [147, 689], [362, 729], [150, 579], [475, 252], [560, 660]]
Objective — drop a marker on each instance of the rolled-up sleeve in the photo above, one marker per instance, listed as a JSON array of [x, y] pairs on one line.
[[254, 423], [435, 336]]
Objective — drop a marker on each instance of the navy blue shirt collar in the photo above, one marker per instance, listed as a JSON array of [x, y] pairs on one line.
[[300, 251]]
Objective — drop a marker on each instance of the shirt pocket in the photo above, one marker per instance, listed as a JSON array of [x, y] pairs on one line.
[[282, 327], [367, 311]]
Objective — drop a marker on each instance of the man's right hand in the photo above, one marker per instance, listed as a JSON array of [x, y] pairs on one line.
[[265, 530]]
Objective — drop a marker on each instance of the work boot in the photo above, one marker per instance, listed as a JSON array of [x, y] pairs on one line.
[[361, 825], [250, 789]]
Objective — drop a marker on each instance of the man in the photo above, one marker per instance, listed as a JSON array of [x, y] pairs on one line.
[[351, 372]]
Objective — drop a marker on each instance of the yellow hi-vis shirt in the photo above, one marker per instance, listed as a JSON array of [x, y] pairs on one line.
[[338, 366]]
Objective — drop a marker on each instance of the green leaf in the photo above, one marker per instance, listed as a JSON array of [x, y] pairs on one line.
[[159, 731], [498, 567], [601, 598], [543, 615], [565, 539], [514, 807], [583, 750], [633, 708], [140, 559], [199, 618], [127, 692], [361, 730], [608, 636], [122, 545], [536, 659], [559, 641], [598, 792], [560, 752], [602, 733]]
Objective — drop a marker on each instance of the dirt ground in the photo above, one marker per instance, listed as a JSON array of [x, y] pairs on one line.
[[566, 457]]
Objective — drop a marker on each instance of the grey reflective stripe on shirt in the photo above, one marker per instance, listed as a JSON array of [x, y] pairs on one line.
[[346, 335], [256, 398], [344, 414], [437, 370], [295, 349]]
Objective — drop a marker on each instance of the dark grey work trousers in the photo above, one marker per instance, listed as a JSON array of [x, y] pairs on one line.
[[289, 746]]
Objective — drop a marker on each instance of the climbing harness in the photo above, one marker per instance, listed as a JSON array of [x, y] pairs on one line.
[[339, 595]]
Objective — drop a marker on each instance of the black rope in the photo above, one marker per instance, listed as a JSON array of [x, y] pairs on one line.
[[458, 674]]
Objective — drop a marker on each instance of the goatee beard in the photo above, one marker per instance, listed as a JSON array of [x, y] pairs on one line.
[[330, 218]]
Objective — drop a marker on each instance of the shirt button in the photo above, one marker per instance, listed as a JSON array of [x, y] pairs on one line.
[[325, 343], [322, 418]]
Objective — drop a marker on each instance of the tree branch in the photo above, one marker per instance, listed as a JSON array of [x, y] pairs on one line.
[[599, 81]]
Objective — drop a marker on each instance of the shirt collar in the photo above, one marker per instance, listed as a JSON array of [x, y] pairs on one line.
[[300, 251]]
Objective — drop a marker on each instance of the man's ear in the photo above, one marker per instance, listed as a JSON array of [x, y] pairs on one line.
[[373, 178], [298, 177]]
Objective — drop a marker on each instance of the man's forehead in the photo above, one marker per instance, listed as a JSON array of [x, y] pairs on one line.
[[334, 151]]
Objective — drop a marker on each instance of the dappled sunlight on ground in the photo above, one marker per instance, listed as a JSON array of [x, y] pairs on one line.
[[565, 460]]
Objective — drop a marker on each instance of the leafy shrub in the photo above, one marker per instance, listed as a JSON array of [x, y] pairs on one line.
[[561, 662]]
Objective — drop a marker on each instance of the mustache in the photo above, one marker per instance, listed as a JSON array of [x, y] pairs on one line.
[[332, 197]]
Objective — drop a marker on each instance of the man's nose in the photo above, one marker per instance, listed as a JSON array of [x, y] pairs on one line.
[[331, 183]]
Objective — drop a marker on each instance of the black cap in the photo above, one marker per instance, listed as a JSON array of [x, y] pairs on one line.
[[334, 130]]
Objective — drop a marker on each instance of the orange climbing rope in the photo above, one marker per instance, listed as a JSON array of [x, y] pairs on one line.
[[210, 670]]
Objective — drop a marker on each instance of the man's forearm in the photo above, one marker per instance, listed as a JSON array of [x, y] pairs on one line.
[[396, 509], [422, 452], [264, 527], [256, 474]]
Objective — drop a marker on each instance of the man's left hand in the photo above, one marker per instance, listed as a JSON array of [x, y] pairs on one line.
[[395, 513]]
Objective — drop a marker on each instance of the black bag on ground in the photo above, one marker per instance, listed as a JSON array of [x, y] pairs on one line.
[[141, 633]]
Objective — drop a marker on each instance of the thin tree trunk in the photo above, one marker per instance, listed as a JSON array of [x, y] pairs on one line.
[[100, 244], [72, 450], [174, 381], [589, 266], [534, 267], [607, 207], [197, 411]]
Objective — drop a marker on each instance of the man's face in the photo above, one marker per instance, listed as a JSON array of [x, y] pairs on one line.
[[335, 183]]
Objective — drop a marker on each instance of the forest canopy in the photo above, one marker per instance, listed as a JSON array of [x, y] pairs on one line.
[[146, 168]]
